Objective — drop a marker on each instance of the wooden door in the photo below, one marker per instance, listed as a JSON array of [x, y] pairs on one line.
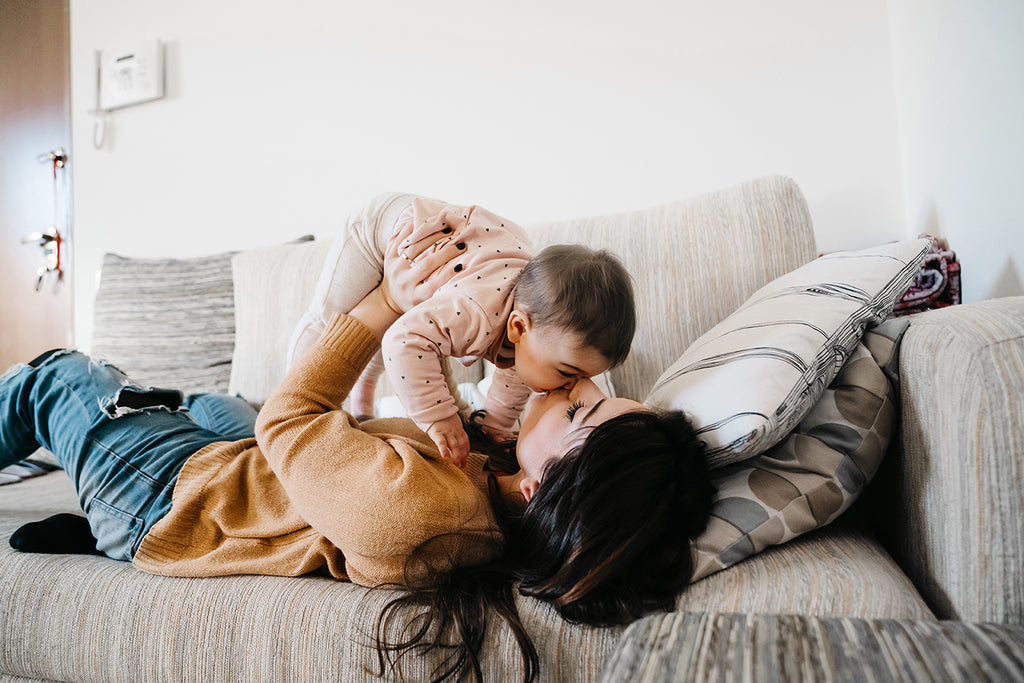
[[35, 192]]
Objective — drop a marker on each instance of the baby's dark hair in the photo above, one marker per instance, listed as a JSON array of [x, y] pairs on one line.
[[582, 290]]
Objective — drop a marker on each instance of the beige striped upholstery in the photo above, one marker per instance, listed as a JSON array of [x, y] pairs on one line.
[[90, 619], [273, 287], [960, 482], [836, 571], [693, 263], [735, 647]]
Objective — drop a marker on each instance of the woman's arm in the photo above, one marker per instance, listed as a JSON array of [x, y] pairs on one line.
[[375, 497], [375, 312]]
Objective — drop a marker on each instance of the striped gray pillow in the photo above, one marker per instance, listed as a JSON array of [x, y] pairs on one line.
[[167, 322], [747, 381]]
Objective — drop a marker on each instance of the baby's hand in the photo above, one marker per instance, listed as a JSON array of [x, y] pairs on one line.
[[496, 432], [451, 439]]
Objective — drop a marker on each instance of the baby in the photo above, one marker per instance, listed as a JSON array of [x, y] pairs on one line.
[[544, 320]]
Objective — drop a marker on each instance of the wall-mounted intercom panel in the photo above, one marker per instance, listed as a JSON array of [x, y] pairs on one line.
[[131, 75]]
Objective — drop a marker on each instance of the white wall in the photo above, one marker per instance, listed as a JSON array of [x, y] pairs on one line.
[[959, 75], [281, 118]]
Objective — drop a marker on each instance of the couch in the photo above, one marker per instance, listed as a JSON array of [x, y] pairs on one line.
[[921, 578]]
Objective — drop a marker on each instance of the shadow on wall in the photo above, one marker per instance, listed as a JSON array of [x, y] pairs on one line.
[[1008, 282]]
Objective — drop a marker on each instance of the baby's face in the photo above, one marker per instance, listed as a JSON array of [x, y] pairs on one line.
[[549, 358]]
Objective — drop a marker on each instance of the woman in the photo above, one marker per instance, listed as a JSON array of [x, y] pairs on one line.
[[595, 520]]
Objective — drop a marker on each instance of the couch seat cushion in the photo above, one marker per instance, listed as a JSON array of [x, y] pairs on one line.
[[86, 618], [837, 571]]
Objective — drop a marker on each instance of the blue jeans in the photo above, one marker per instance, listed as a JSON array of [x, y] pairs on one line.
[[123, 445]]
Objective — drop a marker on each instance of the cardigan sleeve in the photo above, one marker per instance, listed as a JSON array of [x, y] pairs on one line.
[[376, 497]]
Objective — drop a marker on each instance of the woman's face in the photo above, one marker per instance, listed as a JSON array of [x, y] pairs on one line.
[[554, 421]]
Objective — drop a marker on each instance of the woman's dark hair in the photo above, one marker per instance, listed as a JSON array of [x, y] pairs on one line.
[[573, 287], [605, 540]]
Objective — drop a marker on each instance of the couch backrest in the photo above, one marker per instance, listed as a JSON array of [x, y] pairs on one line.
[[693, 263]]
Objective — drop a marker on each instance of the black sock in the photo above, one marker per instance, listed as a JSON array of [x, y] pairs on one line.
[[61, 533]]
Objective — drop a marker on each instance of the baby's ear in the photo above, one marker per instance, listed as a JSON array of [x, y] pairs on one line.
[[518, 324]]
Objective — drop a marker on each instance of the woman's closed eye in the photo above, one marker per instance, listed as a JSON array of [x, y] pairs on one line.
[[573, 409]]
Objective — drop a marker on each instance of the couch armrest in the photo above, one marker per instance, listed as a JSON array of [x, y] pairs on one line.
[[959, 475]]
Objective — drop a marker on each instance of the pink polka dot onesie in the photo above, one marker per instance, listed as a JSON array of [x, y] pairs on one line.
[[465, 319]]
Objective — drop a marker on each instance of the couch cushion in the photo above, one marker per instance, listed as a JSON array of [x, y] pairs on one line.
[[273, 287], [712, 647], [87, 618], [841, 570], [167, 322], [751, 378], [693, 263]]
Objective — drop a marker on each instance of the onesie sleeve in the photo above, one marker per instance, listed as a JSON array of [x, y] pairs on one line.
[[444, 326], [506, 398]]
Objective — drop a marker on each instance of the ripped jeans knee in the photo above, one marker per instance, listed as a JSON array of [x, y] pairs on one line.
[[131, 399]]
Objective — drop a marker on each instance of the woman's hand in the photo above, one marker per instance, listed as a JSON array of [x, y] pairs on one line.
[[415, 270]]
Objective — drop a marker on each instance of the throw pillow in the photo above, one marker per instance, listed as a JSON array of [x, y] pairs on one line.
[[167, 322], [808, 479], [749, 379], [273, 287]]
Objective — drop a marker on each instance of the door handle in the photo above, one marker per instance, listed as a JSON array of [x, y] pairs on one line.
[[49, 240], [42, 238], [55, 156]]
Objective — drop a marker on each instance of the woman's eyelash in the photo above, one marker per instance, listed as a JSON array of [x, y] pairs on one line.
[[571, 412]]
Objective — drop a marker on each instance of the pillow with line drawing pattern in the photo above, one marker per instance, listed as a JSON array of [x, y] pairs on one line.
[[747, 381]]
